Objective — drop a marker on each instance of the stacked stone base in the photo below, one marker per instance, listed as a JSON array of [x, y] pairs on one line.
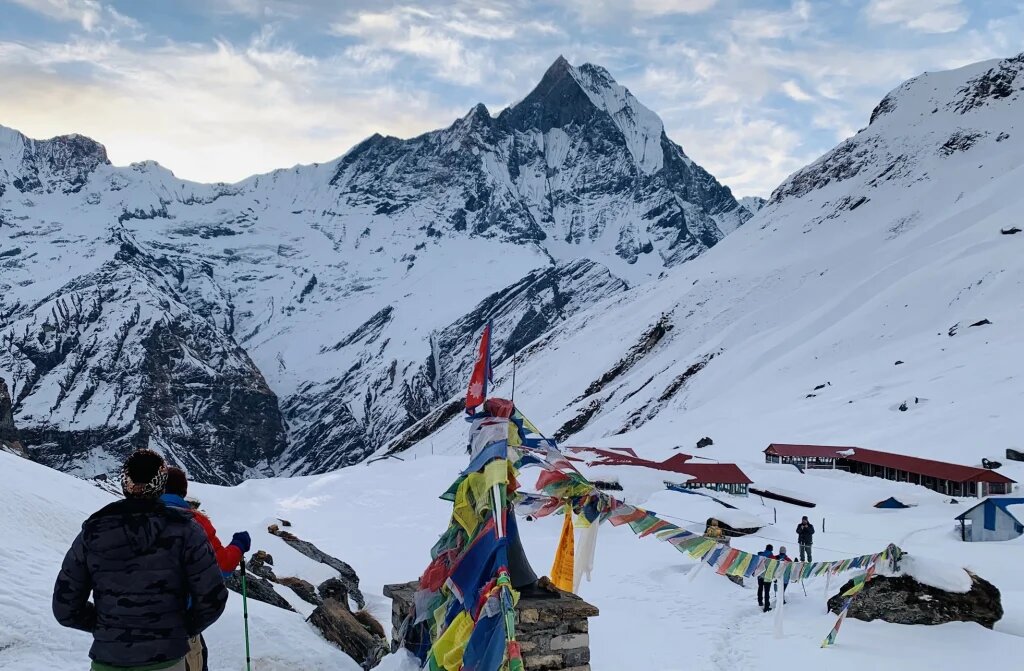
[[552, 633]]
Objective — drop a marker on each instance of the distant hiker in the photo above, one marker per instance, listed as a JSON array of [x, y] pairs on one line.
[[228, 556], [764, 588], [141, 562], [782, 556], [805, 537]]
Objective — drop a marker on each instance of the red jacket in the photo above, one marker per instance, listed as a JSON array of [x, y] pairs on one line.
[[228, 556]]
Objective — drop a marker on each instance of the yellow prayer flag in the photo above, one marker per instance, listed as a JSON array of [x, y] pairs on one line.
[[563, 567]]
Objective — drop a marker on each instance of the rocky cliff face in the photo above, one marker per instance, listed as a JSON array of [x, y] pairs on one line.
[[299, 320]]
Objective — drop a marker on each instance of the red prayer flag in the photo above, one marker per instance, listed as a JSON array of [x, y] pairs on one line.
[[477, 391]]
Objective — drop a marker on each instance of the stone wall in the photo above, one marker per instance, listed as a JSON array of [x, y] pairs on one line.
[[552, 633]]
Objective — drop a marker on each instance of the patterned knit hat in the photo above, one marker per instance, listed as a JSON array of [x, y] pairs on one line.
[[143, 475]]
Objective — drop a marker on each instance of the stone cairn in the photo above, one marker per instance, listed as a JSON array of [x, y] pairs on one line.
[[552, 633]]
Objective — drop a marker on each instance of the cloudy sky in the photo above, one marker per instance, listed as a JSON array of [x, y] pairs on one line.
[[221, 89]]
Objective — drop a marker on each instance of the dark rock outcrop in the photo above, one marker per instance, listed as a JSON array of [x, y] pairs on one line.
[[302, 588], [361, 638], [258, 589], [904, 600], [8, 432], [347, 580]]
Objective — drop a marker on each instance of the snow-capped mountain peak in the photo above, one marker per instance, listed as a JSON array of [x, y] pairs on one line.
[[63, 163], [561, 98]]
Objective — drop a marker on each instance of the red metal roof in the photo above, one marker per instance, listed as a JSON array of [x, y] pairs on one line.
[[928, 468], [707, 473], [725, 474]]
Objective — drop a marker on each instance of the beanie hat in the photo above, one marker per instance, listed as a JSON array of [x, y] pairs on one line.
[[143, 475], [177, 482]]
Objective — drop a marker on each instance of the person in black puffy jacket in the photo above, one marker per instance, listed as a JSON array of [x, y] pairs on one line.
[[150, 570], [805, 538]]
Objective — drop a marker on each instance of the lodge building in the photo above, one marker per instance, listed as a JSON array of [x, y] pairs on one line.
[[939, 476]]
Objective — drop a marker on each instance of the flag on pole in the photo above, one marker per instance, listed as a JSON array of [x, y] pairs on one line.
[[831, 638], [476, 394]]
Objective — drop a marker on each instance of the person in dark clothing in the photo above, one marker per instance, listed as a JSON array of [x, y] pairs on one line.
[[764, 589], [142, 562], [805, 538]]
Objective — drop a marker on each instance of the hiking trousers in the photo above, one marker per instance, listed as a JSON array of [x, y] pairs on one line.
[[805, 552], [194, 658], [764, 592]]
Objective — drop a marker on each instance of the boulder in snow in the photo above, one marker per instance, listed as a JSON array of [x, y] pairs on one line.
[[904, 599]]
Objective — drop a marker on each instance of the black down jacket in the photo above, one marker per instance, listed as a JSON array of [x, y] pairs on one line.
[[153, 578]]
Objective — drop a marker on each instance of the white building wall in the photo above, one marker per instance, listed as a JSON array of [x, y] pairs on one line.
[[1005, 526]]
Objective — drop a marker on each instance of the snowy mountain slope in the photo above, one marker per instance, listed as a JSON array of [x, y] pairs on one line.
[[873, 301], [187, 291]]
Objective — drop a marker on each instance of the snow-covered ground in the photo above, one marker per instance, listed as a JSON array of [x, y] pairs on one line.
[[655, 612]]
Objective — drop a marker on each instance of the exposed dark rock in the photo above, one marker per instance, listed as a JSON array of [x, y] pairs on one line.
[[8, 431], [1013, 230], [302, 588], [960, 141], [258, 589], [998, 82], [644, 345], [898, 363], [260, 564], [358, 637], [989, 464], [347, 575], [904, 600], [576, 424], [685, 376], [983, 322], [705, 442], [1014, 455]]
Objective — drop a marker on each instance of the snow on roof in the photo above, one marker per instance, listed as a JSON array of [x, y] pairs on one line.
[[737, 519], [1014, 506], [925, 467]]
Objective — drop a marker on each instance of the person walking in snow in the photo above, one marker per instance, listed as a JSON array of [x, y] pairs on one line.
[[764, 592], [805, 538], [228, 556], [142, 562], [782, 556]]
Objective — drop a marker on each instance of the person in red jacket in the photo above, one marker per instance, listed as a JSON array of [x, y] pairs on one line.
[[228, 556]]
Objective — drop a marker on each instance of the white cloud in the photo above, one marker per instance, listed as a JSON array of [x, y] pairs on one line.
[[90, 14], [793, 90], [927, 16], [418, 33], [659, 7], [208, 112]]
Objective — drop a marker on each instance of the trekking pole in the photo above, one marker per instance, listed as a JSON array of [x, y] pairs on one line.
[[245, 613]]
